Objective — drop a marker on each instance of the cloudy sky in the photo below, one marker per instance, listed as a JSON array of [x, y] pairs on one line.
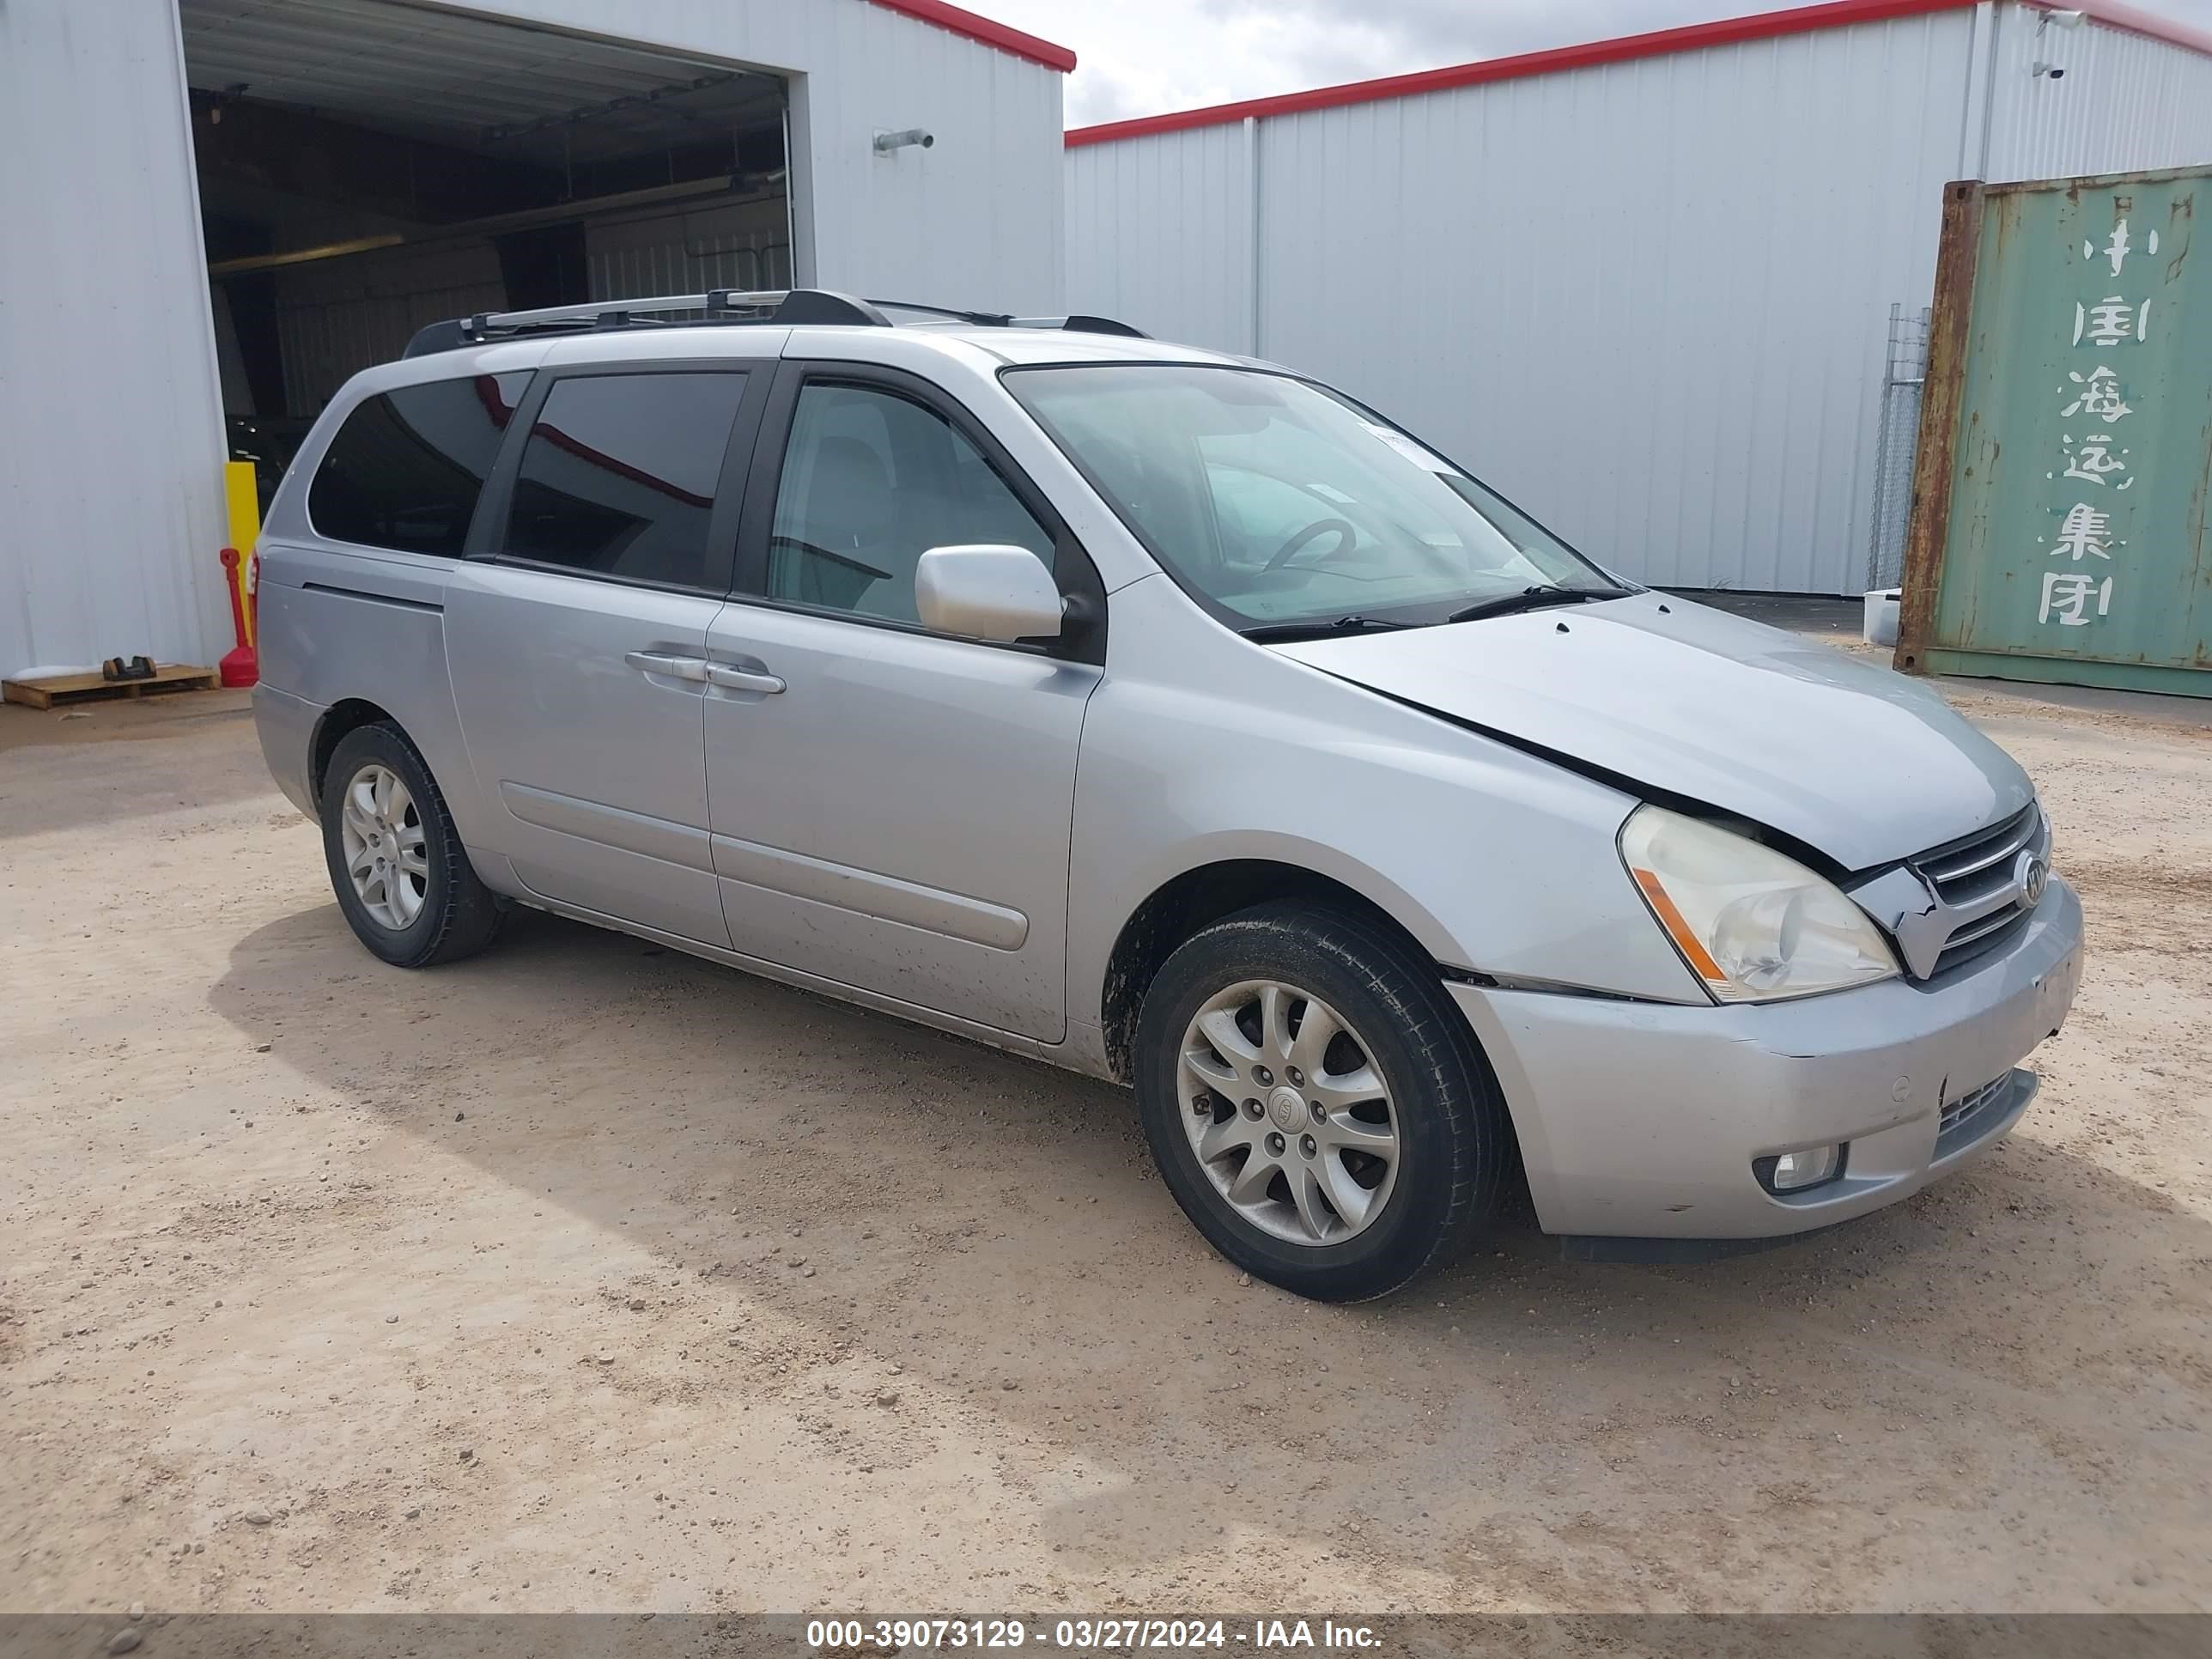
[[1141, 56]]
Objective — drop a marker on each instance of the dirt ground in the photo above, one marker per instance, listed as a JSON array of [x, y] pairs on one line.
[[586, 1275]]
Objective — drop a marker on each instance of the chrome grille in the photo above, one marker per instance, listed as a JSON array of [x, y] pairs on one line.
[[1961, 1113], [1977, 937], [1977, 877], [1966, 871]]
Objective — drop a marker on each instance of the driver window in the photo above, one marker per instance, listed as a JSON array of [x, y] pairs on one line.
[[871, 481]]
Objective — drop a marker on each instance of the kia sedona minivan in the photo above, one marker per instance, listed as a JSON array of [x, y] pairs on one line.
[[1174, 719]]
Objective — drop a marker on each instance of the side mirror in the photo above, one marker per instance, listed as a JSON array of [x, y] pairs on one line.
[[989, 591]]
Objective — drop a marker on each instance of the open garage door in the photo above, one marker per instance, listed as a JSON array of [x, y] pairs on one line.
[[367, 167]]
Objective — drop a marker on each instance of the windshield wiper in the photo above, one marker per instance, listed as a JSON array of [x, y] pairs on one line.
[[1313, 627], [1528, 598]]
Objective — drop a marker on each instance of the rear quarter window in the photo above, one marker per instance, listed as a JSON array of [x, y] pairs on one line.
[[406, 467]]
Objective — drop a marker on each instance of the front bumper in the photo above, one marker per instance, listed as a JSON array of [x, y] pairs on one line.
[[1641, 1120]]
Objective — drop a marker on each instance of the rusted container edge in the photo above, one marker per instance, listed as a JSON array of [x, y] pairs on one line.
[[1950, 322]]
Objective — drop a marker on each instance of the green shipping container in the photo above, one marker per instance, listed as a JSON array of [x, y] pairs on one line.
[[2065, 463]]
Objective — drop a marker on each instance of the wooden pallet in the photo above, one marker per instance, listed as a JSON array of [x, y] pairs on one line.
[[90, 688]]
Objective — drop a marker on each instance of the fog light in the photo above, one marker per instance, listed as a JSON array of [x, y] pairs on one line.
[[1795, 1172]]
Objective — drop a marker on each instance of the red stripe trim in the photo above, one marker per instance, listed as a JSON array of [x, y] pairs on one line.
[[991, 34], [1659, 43]]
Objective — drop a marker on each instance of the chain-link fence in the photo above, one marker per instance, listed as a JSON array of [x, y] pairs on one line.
[[1896, 443]]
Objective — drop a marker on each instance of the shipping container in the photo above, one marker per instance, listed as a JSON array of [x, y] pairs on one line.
[[2065, 459]]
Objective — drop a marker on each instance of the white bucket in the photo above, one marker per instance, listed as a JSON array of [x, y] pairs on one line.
[[1879, 627]]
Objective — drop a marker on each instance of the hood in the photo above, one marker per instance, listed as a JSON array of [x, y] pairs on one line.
[[1853, 759]]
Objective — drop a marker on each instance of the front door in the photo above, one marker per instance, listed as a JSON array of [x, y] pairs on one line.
[[578, 640], [890, 807]]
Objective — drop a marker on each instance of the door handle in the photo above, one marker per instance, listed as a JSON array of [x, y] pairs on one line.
[[670, 667], [742, 679]]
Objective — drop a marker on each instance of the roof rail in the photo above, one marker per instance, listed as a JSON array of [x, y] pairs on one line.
[[790, 307], [1078, 322], [981, 318], [787, 306]]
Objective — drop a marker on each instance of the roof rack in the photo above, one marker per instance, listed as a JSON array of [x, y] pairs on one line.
[[788, 307], [1076, 322]]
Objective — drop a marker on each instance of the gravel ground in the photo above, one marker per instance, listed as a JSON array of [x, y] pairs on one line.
[[586, 1275]]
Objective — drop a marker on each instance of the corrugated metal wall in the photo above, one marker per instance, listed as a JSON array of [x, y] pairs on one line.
[[1657, 291], [2126, 103], [1175, 246], [725, 245], [1648, 300], [110, 474], [975, 220], [334, 315], [110, 480]]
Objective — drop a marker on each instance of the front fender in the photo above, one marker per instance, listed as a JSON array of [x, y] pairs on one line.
[[1199, 747]]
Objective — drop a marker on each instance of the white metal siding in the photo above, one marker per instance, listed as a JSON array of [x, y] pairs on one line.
[[2126, 103], [1647, 301], [1174, 248], [975, 220], [110, 483]]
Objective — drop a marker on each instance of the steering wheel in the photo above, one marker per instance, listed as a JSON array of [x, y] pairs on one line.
[[1345, 534]]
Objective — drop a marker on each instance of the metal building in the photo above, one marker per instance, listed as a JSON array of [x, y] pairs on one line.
[[1644, 287], [214, 211]]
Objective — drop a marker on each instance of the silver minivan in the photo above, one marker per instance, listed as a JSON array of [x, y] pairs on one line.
[[1171, 718]]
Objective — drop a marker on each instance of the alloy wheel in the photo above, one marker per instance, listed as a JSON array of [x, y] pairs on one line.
[[1289, 1117], [385, 855]]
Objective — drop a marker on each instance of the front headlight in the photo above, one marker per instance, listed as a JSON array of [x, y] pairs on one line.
[[1753, 926]]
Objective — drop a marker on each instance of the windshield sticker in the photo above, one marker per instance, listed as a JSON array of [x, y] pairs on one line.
[[1412, 451]]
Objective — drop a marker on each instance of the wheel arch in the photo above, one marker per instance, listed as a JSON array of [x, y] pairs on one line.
[[345, 715], [1203, 893]]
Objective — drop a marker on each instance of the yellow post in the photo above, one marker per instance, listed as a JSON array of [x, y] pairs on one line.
[[242, 496]]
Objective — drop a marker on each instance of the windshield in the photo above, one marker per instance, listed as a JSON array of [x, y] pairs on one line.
[[1279, 502]]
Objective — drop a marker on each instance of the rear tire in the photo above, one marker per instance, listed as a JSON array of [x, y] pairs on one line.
[[398, 865], [1379, 1144]]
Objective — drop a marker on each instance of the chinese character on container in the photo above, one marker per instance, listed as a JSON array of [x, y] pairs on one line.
[[2111, 321], [2118, 248], [2092, 461], [2066, 596], [2098, 396], [2073, 597], [2086, 533]]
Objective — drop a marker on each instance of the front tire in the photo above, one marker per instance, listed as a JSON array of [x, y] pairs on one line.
[[1317, 1104], [400, 873]]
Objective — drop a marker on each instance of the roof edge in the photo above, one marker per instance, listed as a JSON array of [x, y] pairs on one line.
[[1657, 43], [989, 31], [2135, 21]]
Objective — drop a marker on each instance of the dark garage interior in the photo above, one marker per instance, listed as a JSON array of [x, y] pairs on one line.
[[367, 167]]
